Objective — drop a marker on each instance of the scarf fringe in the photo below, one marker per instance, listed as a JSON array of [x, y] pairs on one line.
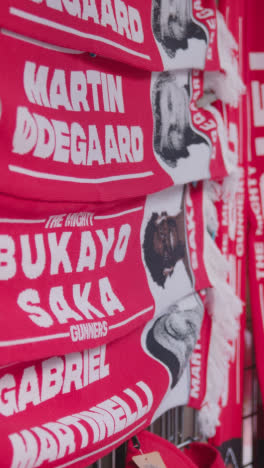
[[227, 85], [208, 419], [225, 309], [230, 186], [226, 190], [211, 216], [217, 266], [213, 190]]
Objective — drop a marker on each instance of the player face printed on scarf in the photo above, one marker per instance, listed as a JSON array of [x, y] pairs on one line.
[[174, 18], [77, 407], [164, 245], [173, 25], [178, 38], [76, 125], [173, 121], [172, 338], [68, 272], [173, 133]]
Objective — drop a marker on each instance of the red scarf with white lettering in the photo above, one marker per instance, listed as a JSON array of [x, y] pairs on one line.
[[71, 410], [82, 405], [156, 35], [255, 80], [81, 278], [223, 398], [214, 351], [73, 128], [231, 241]]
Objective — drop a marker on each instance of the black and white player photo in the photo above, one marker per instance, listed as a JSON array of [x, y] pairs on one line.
[[173, 132], [174, 26], [164, 245], [172, 338]]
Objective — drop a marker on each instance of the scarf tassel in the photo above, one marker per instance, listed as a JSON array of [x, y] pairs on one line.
[[225, 309], [227, 83]]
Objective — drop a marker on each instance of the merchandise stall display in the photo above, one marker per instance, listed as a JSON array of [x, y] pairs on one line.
[[131, 144]]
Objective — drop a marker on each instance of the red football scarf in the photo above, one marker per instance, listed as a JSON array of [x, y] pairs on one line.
[[81, 279], [214, 350], [227, 328], [157, 35], [255, 79], [82, 129], [71, 410], [231, 241], [225, 332]]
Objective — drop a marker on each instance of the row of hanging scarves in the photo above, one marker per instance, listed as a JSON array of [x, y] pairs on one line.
[[102, 304], [79, 123]]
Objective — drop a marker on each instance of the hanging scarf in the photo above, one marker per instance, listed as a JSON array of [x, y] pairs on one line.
[[224, 307], [227, 328], [83, 129], [215, 347], [231, 242], [255, 125], [157, 35], [228, 437], [72, 410], [82, 405], [225, 364], [81, 279]]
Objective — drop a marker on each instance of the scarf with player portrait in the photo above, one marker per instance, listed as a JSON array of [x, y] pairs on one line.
[[129, 354], [70, 410], [82, 405], [82, 275], [48, 253], [158, 36], [74, 128]]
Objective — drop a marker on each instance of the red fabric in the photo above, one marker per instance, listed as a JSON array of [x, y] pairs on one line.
[[230, 236], [67, 273], [120, 30], [73, 128], [232, 242], [170, 454], [197, 455], [255, 78], [204, 456], [72, 410], [69, 410]]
